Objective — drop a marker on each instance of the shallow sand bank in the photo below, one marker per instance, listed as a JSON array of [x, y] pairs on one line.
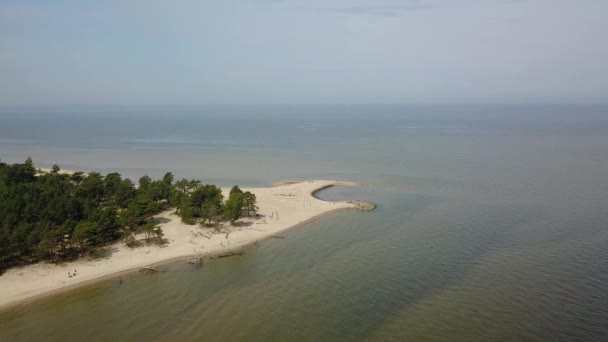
[[284, 206]]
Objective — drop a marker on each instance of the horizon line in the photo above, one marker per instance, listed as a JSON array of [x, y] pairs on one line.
[[303, 104]]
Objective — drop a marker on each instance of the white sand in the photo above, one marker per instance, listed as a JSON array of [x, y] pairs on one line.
[[293, 202], [47, 170]]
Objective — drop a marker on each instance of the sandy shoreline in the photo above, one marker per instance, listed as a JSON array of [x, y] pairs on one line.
[[285, 206]]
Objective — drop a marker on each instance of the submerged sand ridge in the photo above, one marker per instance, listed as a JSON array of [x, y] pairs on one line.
[[284, 206]]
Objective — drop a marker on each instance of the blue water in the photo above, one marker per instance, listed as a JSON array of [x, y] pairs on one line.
[[492, 222]]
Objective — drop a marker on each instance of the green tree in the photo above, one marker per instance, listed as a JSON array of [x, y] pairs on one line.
[[84, 235], [91, 189], [5, 245], [111, 184], [144, 183], [249, 203], [213, 212], [168, 179], [185, 210], [149, 230], [124, 193], [234, 191], [194, 184], [55, 216], [29, 166], [135, 215], [233, 206], [182, 185], [77, 177], [106, 223], [213, 203], [20, 173]]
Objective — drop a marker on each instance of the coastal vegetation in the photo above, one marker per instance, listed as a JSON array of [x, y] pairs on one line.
[[57, 216]]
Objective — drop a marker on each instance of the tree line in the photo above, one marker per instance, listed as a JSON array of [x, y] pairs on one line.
[[55, 216]]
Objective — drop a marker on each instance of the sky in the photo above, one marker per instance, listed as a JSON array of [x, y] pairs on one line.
[[303, 51]]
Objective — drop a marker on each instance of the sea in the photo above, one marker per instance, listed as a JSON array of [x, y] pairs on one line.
[[492, 222]]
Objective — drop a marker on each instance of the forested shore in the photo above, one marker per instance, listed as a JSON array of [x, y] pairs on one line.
[[54, 216]]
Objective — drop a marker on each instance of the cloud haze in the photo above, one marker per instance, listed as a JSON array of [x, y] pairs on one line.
[[292, 51]]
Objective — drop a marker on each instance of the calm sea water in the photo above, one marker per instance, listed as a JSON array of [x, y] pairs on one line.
[[492, 223]]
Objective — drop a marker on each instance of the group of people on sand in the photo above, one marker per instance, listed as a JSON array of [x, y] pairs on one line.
[[72, 275]]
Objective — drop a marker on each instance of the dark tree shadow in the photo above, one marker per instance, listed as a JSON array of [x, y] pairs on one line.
[[242, 224], [162, 220], [103, 253]]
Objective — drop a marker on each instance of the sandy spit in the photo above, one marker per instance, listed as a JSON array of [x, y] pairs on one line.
[[284, 206]]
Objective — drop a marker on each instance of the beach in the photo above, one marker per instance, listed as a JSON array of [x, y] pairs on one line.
[[281, 207]]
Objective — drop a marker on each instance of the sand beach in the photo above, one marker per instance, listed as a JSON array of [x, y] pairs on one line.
[[284, 206]]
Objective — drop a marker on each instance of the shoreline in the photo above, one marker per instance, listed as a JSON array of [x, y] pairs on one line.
[[297, 196]]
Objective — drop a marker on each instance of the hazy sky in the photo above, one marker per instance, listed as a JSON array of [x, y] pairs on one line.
[[308, 51]]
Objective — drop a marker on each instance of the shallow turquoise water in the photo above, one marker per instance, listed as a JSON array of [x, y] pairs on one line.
[[491, 225]]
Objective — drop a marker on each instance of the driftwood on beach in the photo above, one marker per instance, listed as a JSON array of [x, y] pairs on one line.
[[231, 253], [149, 269]]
